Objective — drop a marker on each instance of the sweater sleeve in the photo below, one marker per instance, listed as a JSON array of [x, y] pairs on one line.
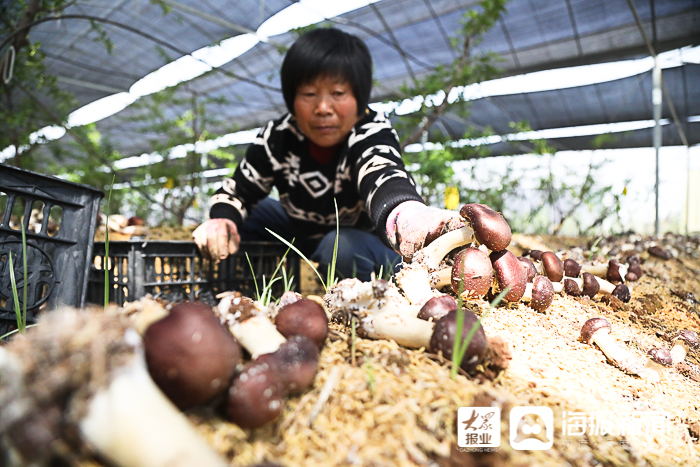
[[251, 181], [379, 171]]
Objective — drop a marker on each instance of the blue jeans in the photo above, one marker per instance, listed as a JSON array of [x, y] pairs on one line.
[[359, 253]]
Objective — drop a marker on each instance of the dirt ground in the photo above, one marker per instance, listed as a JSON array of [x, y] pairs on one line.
[[375, 403]]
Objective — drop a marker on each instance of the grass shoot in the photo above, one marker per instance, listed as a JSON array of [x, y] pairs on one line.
[[460, 347]]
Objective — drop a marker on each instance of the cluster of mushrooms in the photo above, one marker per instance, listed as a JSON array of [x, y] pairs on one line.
[[473, 261], [90, 381]]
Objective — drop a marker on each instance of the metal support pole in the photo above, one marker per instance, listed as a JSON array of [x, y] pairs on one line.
[[656, 97]]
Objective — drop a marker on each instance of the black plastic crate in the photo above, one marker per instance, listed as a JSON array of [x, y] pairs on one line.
[[175, 270], [59, 219]]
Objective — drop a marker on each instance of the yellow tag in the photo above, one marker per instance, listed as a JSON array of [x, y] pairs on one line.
[[169, 183], [624, 192], [451, 197], [195, 204]]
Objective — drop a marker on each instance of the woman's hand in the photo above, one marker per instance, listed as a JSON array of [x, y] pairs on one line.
[[217, 238], [413, 225]]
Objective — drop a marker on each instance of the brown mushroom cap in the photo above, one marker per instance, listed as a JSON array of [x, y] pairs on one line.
[[489, 226], [509, 272], [190, 355], [303, 317], [688, 337], [553, 266], [592, 326], [571, 268], [661, 356], [590, 285], [296, 361], [613, 274], [472, 266], [443, 338], [660, 252], [536, 254], [571, 288], [635, 269], [529, 267], [622, 292], [631, 277], [256, 396], [542, 293], [437, 307]]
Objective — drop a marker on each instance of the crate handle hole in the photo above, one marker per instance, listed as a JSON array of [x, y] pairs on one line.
[[17, 216], [36, 217], [54, 223]]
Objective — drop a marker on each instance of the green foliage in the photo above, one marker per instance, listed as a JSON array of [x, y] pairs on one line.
[[32, 98]]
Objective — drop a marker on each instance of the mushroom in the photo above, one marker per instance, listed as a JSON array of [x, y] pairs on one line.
[[539, 293], [571, 287], [571, 268], [614, 271], [536, 254], [529, 267], [256, 396], [191, 356], [509, 272], [382, 313], [552, 266], [251, 328], [303, 317], [296, 361], [89, 384], [597, 331], [443, 339], [622, 292], [682, 343], [634, 267], [659, 359], [471, 272], [484, 224], [437, 307]]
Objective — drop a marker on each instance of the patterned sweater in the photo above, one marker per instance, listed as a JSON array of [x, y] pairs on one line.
[[367, 177]]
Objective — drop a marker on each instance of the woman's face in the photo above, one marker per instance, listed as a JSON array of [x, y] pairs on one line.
[[326, 110]]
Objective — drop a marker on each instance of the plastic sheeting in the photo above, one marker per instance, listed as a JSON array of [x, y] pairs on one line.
[[407, 38]]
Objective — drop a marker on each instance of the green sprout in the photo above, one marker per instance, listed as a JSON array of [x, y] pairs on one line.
[[266, 295], [369, 369], [594, 248], [330, 276], [21, 317], [460, 347]]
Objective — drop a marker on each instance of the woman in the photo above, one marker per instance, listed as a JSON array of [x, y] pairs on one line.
[[330, 148]]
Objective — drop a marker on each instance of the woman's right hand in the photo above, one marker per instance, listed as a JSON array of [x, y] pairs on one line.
[[217, 238]]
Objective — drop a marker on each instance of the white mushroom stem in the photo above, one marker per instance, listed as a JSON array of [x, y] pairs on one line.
[[678, 352], [441, 278], [434, 253], [258, 335], [131, 423], [619, 356], [391, 323], [653, 369], [601, 269], [414, 280]]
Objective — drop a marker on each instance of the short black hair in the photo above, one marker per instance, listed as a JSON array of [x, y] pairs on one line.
[[332, 52]]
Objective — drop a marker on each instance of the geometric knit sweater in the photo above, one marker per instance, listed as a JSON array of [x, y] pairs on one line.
[[366, 176]]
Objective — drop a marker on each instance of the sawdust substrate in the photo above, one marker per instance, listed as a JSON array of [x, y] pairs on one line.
[[395, 406]]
